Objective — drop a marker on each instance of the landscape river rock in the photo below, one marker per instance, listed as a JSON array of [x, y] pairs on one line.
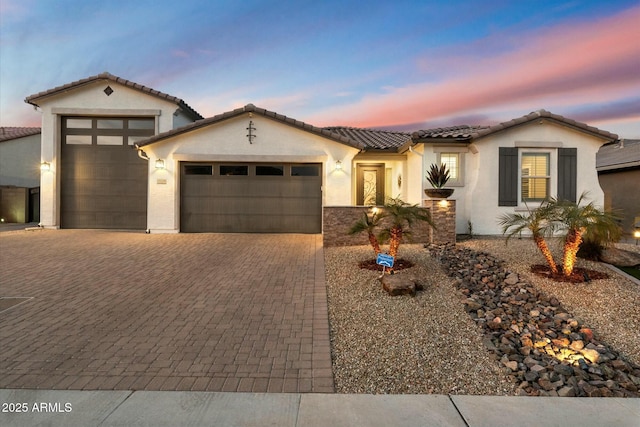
[[542, 347]]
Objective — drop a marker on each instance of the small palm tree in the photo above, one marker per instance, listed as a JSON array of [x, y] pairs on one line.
[[581, 221], [539, 222], [402, 217], [369, 223]]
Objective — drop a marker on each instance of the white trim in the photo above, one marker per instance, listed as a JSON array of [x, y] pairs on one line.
[[249, 158], [449, 149], [105, 112], [538, 144]]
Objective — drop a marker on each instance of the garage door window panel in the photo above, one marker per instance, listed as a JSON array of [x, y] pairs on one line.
[[109, 140], [269, 170], [198, 170], [110, 124], [78, 139], [234, 170], [305, 170]]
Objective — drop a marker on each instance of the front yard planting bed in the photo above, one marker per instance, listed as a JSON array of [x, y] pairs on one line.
[[446, 341]]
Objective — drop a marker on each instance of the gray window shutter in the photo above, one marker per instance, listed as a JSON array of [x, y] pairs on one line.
[[567, 173], [508, 177]]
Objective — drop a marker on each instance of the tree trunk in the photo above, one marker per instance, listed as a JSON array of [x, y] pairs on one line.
[[394, 244], [542, 245], [571, 246], [374, 243]]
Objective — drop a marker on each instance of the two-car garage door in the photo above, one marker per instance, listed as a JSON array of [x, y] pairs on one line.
[[251, 197]]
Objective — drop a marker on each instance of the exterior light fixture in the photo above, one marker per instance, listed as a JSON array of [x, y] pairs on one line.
[[159, 164], [338, 165], [636, 234], [374, 210], [443, 203], [45, 166]]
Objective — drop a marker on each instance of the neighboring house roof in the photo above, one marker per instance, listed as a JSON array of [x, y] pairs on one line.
[[250, 108], [8, 133], [619, 155], [373, 138], [468, 133], [34, 99]]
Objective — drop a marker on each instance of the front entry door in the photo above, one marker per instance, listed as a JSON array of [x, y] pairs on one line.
[[370, 184]]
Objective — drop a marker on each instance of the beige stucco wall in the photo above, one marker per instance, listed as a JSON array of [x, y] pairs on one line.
[[481, 192], [227, 141], [20, 162], [89, 100]]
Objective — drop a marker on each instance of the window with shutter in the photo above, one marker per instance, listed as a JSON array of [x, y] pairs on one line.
[[508, 176]]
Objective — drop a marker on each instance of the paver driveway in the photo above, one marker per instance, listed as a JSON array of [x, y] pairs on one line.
[[130, 311]]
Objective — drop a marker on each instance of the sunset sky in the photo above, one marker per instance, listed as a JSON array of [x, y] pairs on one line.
[[393, 64]]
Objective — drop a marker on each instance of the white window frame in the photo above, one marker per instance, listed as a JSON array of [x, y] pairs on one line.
[[459, 181], [553, 176]]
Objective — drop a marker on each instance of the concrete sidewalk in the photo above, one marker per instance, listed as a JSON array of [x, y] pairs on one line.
[[165, 408]]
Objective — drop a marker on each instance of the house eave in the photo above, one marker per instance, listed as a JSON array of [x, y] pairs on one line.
[[251, 109]]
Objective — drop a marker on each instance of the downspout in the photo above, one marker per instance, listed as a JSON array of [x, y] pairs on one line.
[[141, 153], [144, 156]]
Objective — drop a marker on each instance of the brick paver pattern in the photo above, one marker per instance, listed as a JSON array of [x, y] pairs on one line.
[[131, 311]]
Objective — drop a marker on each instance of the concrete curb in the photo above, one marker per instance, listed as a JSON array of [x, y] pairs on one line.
[[166, 408]]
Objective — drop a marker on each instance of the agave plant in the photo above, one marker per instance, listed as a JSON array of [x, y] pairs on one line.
[[438, 175]]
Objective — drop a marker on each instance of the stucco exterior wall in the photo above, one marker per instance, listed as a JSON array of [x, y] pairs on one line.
[[430, 156], [20, 162], [227, 141], [481, 194], [88, 100]]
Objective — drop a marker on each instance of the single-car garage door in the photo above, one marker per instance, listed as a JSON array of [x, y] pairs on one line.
[[251, 198], [103, 181]]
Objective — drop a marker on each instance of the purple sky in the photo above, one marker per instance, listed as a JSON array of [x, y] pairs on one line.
[[400, 64]]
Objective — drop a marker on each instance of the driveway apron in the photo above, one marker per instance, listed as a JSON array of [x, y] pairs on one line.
[[131, 311]]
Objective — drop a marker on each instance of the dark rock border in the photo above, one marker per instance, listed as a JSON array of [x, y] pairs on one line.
[[542, 347]]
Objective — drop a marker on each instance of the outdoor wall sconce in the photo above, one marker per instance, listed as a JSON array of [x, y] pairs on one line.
[[338, 165], [45, 166], [443, 203], [159, 164]]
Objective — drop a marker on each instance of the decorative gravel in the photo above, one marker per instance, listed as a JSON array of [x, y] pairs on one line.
[[418, 345], [611, 307], [429, 344]]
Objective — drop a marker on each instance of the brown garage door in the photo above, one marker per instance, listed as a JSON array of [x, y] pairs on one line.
[[251, 198], [103, 181]]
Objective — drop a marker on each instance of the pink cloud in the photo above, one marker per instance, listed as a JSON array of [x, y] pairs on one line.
[[582, 63]]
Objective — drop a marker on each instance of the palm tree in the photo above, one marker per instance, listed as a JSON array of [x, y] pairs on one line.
[[402, 217], [369, 223], [580, 221], [539, 222]]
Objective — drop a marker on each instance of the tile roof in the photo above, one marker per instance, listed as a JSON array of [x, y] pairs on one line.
[[250, 108], [33, 99], [463, 132], [467, 133], [619, 155], [373, 138], [544, 114], [8, 133]]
